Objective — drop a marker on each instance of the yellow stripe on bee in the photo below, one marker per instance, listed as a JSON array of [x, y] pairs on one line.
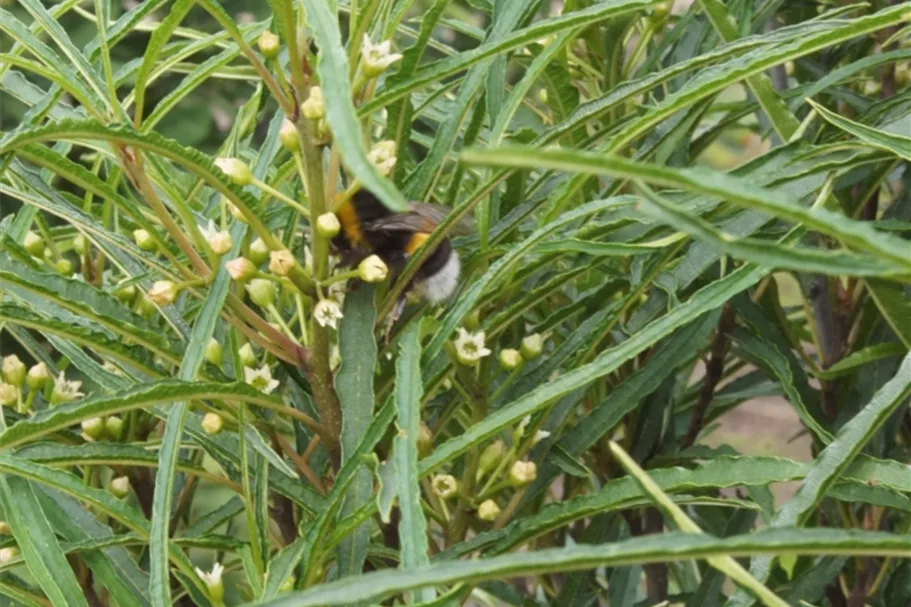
[[416, 240], [347, 216]]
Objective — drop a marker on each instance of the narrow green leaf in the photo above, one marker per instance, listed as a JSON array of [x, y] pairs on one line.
[[159, 37], [648, 549], [892, 301], [784, 122], [140, 396], [408, 390], [876, 138], [724, 564], [504, 42], [798, 259], [862, 357], [38, 543], [354, 385], [332, 66], [113, 566], [159, 579], [740, 191], [833, 460], [69, 484]]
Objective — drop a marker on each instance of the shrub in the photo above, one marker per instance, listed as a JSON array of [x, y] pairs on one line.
[[676, 210]]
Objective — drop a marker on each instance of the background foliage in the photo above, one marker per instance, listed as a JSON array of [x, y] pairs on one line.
[[598, 146]]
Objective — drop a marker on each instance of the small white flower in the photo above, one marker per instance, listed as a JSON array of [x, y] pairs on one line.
[[65, 390], [377, 57], [328, 225], [219, 240], [213, 582], [444, 485], [261, 379], [327, 313], [241, 269], [470, 347], [383, 156]]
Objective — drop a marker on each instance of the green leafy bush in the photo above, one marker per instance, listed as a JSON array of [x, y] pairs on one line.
[[675, 212]]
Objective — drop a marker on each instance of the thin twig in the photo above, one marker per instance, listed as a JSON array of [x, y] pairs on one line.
[[713, 371]]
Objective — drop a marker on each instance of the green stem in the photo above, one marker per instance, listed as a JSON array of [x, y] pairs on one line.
[[286, 199]]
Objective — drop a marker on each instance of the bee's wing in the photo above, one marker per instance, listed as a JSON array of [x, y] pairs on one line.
[[402, 222], [437, 212]]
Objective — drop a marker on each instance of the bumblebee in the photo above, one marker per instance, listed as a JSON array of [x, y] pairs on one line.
[[368, 227]]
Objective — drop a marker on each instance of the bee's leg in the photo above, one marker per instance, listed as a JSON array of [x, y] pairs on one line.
[[394, 315]]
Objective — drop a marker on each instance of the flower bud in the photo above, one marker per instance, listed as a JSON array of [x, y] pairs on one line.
[[246, 355], [328, 225], [372, 269], [113, 428], [488, 510], [262, 292], [80, 244], [162, 293], [120, 487], [444, 485], [510, 359], [214, 352], [521, 473], [425, 440], [335, 358], [241, 269], [93, 428], [5, 528], [268, 44], [13, 370], [126, 294], [472, 320], [491, 457], [212, 423], [661, 11], [64, 267], [872, 88], [258, 252], [8, 554], [532, 346], [9, 394], [542, 96], [314, 108], [145, 241], [287, 134], [236, 213], [789, 67], [34, 244], [221, 242], [37, 376], [287, 585], [65, 390], [145, 308], [236, 169], [281, 262]]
